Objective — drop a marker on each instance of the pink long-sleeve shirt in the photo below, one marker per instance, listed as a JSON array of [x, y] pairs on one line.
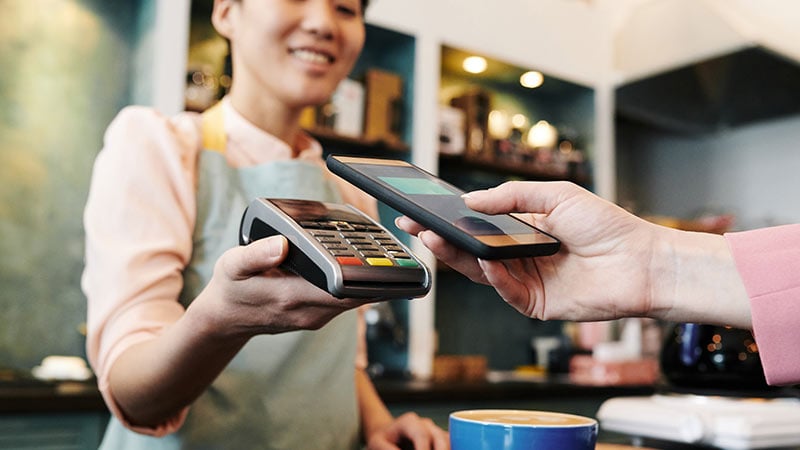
[[139, 219], [768, 260]]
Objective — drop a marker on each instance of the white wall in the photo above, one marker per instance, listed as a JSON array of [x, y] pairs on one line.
[[161, 56], [651, 36], [556, 36]]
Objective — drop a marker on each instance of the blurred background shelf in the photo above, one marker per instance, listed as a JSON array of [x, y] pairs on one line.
[[333, 142], [513, 169]]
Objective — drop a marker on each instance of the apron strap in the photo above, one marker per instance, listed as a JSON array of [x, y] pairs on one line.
[[213, 129]]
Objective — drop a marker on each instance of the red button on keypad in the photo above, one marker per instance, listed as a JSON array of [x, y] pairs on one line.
[[349, 261]]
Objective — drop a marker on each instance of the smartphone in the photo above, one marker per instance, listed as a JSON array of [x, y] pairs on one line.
[[437, 205]]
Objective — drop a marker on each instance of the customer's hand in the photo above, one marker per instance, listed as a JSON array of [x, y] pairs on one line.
[[249, 295], [601, 245]]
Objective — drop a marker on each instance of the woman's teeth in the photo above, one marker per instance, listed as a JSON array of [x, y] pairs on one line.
[[310, 56]]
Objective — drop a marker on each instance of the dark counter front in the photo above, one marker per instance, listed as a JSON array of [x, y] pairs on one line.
[[33, 396], [38, 414], [546, 388]]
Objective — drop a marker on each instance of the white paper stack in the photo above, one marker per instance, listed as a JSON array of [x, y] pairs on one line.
[[729, 423]]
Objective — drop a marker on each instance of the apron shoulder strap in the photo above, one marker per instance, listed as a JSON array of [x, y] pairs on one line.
[[213, 128]]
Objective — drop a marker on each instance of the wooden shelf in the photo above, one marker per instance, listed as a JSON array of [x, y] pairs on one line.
[[527, 171], [333, 142]]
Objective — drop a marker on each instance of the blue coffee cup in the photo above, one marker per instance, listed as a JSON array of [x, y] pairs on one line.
[[504, 429]]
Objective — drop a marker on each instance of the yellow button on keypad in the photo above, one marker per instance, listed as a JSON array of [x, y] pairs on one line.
[[379, 262]]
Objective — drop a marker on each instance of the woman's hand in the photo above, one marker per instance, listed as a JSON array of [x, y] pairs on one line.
[[601, 245], [409, 431], [248, 293]]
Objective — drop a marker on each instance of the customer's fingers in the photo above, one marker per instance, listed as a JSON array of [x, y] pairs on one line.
[[522, 196], [454, 257]]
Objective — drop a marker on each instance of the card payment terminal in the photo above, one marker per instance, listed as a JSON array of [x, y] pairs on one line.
[[338, 248]]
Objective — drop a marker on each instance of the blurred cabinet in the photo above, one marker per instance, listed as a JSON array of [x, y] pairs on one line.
[[505, 132], [509, 131], [385, 72]]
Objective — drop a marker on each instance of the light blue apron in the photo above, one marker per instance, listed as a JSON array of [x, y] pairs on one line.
[[289, 391]]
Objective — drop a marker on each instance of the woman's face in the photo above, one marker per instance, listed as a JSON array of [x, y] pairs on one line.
[[297, 51]]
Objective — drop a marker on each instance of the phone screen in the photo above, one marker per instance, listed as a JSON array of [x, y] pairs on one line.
[[443, 200]]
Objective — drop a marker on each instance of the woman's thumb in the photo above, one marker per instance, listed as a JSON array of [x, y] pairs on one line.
[[261, 255]]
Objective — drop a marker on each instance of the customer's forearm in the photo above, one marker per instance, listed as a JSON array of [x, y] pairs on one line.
[[695, 280]]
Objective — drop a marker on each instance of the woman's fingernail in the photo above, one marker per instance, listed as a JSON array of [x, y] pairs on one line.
[[275, 246]]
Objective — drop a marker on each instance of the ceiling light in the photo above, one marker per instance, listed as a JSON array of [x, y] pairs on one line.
[[474, 64], [531, 79]]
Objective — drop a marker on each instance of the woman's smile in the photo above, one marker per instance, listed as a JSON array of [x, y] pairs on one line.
[[312, 56]]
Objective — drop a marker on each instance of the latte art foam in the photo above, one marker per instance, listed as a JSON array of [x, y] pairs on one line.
[[531, 418]]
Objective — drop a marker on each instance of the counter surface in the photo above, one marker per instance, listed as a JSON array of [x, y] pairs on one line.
[[418, 391]]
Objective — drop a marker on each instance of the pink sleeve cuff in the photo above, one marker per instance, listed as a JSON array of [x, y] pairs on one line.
[[768, 260]]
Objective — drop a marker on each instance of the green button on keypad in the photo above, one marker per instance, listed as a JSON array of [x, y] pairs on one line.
[[406, 262]]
